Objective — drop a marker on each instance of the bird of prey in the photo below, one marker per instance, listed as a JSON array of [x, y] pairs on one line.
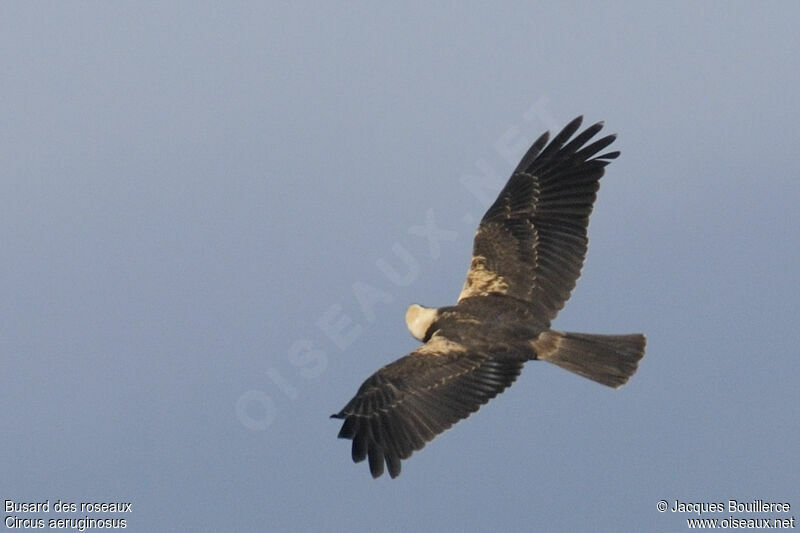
[[527, 255]]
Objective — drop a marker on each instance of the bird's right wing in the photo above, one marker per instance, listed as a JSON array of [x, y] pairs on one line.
[[532, 241], [407, 403]]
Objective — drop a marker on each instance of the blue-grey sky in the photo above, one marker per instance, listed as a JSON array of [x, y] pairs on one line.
[[197, 200]]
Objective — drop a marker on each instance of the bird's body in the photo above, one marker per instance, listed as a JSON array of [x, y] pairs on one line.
[[489, 320], [527, 256]]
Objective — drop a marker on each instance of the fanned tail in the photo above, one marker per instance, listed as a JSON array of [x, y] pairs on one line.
[[607, 359]]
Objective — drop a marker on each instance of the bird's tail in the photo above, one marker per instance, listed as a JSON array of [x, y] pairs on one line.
[[606, 359]]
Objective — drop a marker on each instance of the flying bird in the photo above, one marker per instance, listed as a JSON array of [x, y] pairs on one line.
[[527, 255]]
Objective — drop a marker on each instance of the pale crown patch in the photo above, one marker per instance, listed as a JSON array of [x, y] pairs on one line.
[[419, 319]]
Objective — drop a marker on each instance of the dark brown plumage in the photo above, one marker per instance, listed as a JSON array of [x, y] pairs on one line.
[[527, 256]]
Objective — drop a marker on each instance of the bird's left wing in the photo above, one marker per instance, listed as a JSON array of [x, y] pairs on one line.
[[407, 403], [532, 241]]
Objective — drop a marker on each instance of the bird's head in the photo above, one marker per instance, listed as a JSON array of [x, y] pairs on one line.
[[419, 319]]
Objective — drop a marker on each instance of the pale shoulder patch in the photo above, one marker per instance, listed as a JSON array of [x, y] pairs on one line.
[[440, 346], [482, 281]]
